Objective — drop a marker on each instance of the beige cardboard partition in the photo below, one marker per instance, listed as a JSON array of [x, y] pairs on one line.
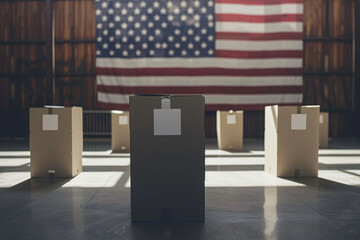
[[324, 129], [56, 141], [229, 129], [120, 131], [167, 158], [292, 140]]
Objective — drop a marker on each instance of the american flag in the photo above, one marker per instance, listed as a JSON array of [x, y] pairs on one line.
[[239, 54]]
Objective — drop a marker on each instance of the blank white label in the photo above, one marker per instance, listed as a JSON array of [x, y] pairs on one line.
[[50, 122], [167, 122], [321, 119], [123, 120], [298, 121], [231, 119]]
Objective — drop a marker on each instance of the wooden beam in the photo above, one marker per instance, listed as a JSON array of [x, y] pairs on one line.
[[356, 86], [50, 53]]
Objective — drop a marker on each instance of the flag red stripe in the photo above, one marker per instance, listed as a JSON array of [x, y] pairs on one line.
[[258, 54], [198, 72], [259, 36], [200, 89], [245, 107], [259, 2], [208, 107], [259, 18]]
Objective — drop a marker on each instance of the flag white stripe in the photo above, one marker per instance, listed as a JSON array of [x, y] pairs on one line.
[[227, 63], [217, 98], [259, 27], [274, 9], [258, 45], [198, 81]]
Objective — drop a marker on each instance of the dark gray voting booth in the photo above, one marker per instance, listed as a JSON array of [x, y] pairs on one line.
[[167, 158]]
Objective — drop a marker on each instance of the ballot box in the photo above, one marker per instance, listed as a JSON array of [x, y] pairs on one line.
[[167, 158]]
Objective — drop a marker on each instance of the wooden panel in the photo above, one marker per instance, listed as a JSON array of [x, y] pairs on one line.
[[60, 93], [38, 88], [85, 58], [71, 94], [76, 91], [74, 20], [340, 57], [313, 57], [64, 20], [65, 58], [66, 87], [29, 58], [32, 92], [5, 59], [85, 20], [28, 20], [340, 18], [325, 57], [332, 92], [314, 16], [22, 92], [76, 58], [5, 19], [90, 98]]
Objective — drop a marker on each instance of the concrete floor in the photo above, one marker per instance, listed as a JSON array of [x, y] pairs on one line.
[[242, 201]]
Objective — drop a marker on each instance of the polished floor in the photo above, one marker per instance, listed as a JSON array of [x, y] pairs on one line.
[[242, 201]]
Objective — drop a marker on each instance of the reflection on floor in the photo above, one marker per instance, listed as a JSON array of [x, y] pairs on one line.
[[242, 201]]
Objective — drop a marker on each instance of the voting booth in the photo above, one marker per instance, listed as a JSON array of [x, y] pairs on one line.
[[56, 141], [292, 140], [229, 129], [120, 132], [167, 158]]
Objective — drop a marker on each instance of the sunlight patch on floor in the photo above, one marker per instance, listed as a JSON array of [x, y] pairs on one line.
[[10, 179], [95, 179], [347, 177]]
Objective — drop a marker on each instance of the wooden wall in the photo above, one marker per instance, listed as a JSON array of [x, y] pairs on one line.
[[328, 62]]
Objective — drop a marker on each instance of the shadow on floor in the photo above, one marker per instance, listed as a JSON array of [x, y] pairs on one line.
[[324, 184]]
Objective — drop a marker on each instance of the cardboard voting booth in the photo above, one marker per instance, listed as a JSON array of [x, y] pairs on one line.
[[324, 129], [167, 158], [292, 140], [120, 131], [229, 129], [56, 141]]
